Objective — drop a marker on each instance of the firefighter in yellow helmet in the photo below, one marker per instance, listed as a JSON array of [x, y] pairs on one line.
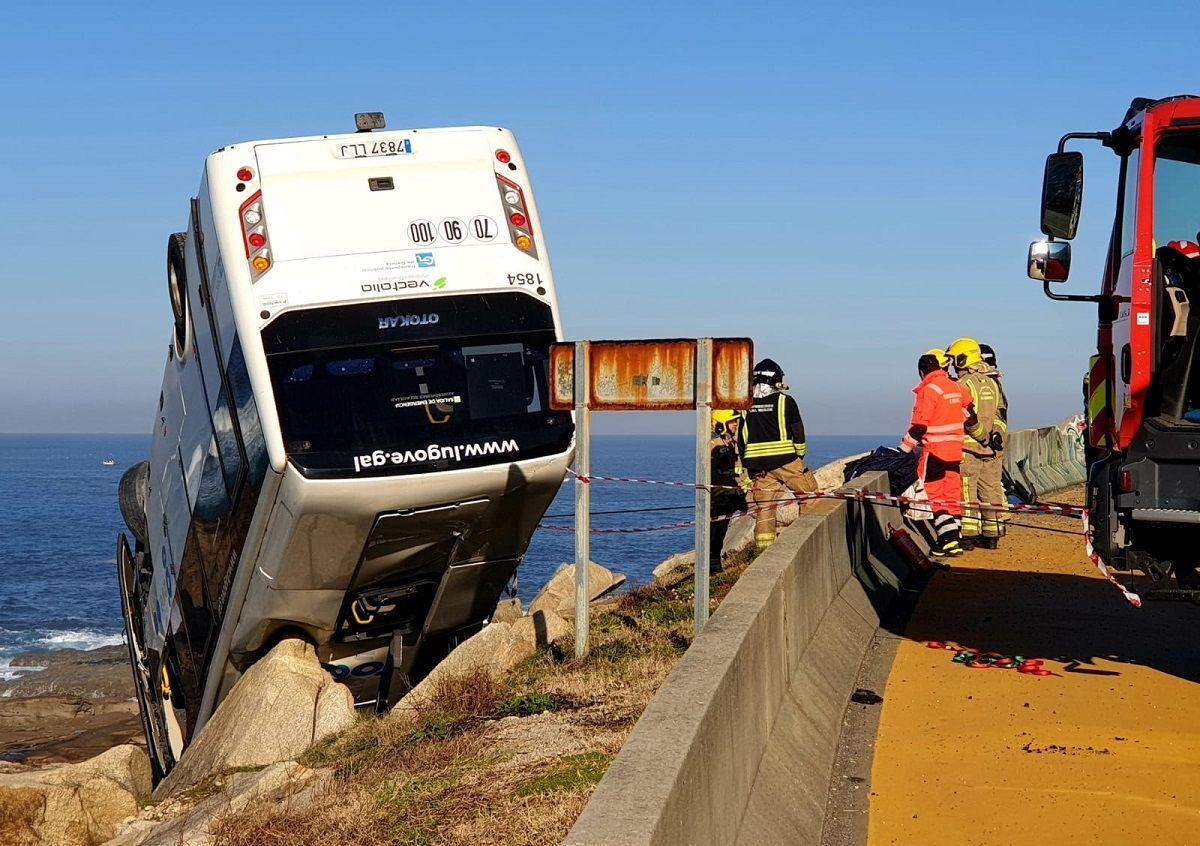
[[727, 477], [983, 445], [942, 358], [772, 448]]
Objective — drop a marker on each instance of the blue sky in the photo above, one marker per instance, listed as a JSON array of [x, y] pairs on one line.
[[847, 185]]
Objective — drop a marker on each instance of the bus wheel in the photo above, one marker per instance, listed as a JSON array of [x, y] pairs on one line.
[[131, 496], [142, 684]]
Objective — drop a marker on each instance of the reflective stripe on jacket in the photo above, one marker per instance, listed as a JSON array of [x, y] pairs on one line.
[[991, 411], [937, 418], [772, 433]]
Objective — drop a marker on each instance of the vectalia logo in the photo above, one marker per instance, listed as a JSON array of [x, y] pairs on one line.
[[399, 321]]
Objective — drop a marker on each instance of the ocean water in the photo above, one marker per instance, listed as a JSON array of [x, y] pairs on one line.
[[59, 522]]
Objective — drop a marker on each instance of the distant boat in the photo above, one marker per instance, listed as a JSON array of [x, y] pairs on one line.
[[109, 462]]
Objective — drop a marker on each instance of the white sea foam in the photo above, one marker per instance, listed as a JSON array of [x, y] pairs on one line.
[[8, 673], [79, 639]]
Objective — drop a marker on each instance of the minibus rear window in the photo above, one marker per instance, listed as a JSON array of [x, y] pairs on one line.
[[393, 407]]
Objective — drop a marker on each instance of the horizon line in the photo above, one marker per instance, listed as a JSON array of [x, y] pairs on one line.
[[607, 434]]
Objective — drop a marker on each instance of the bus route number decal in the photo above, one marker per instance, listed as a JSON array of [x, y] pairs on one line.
[[453, 231], [422, 232], [483, 228]]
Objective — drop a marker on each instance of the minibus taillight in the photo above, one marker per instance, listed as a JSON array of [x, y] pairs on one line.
[[516, 215], [254, 236]]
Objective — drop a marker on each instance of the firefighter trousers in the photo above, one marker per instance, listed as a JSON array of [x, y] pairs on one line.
[[943, 486], [772, 486], [982, 483]]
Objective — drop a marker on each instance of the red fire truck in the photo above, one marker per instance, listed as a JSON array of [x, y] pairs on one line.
[[1142, 391]]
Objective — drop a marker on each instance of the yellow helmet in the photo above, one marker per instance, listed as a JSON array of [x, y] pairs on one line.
[[722, 415], [943, 360], [964, 352]]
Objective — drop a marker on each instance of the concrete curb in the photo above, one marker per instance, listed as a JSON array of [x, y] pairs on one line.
[[738, 745]]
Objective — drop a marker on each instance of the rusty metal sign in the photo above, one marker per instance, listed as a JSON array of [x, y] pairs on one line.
[[656, 375]]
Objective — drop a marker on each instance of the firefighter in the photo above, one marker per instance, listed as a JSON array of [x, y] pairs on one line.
[[983, 445], [771, 443], [728, 479], [989, 358], [937, 427]]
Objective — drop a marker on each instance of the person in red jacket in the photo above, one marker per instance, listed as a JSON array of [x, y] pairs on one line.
[[937, 427]]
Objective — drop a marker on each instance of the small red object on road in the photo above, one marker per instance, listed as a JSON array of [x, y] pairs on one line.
[[978, 665], [936, 644]]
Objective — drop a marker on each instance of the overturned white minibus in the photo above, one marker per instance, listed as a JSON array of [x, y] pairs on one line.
[[353, 442]]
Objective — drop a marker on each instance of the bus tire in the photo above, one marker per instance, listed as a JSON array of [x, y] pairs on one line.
[[177, 289], [130, 612], [131, 494]]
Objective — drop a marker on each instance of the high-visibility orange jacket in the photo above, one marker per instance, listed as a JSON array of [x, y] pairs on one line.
[[937, 418]]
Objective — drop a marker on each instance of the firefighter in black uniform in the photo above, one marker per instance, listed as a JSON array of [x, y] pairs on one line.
[[727, 476], [772, 446]]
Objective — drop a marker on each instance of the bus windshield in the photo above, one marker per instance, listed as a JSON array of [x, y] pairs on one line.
[[376, 392]]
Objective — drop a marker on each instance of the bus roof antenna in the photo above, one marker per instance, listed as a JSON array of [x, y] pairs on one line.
[[366, 121]]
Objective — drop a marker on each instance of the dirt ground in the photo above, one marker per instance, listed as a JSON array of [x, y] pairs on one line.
[[1106, 749]]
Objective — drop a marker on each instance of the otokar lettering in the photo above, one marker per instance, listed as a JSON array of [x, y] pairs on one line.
[[401, 320]]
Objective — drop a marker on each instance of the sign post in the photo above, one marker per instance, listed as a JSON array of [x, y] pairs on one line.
[[703, 477], [658, 375], [583, 496]]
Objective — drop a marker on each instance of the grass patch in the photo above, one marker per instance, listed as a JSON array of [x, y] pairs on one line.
[[526, 704], [667, 613], [639, 598], [214, 784], [572, 773], [438, 725]]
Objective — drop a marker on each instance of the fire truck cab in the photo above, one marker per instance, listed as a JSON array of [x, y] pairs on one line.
[[1142, 390]]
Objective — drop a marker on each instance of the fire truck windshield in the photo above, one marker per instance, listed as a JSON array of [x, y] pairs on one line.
[[1177, 189]]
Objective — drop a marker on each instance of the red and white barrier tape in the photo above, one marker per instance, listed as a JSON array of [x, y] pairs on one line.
[[1133, 598], [594, 478], [862, 495], [634, 531]]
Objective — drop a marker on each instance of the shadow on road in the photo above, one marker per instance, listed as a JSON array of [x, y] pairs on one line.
[[1074, 619]]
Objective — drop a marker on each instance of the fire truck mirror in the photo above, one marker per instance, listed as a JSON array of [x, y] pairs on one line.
[[1049, 261], [1062, 192]]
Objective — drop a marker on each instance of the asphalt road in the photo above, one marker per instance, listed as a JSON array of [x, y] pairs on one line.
[[1104, 749]]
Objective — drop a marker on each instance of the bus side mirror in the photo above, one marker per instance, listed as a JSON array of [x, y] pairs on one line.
[[1062, 194], [1049, 261]]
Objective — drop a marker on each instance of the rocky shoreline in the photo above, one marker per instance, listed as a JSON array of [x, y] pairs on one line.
[[70, 705]]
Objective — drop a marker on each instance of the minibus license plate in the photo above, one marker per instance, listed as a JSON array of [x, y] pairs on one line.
[[367, 148]]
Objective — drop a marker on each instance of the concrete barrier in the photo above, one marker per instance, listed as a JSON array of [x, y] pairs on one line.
[[1046, 459], [738, 745]]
